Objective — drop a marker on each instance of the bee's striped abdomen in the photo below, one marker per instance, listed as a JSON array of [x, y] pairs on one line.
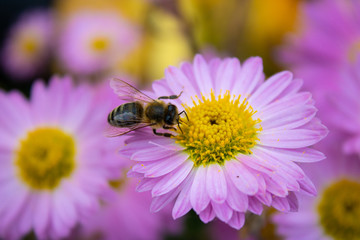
[[126, 115]]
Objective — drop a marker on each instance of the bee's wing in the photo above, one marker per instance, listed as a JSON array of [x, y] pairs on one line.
[[128, 92], [112, 131]]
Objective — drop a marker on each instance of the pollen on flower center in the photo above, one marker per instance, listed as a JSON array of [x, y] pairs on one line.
[[218, 129], [100, 44], [339, 210], [45, 157]]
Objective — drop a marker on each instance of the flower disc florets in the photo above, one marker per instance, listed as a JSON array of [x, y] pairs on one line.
[[45, 157], [339, 210], [219, 128]]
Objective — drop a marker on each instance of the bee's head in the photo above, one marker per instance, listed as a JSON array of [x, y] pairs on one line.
[[171, 115]]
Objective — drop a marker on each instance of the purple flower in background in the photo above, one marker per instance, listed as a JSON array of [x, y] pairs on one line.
[[27, 47], [125, 214], [55, 161], [335, 212], [240, 146], [94, 41], [345, 107], [328, 41]]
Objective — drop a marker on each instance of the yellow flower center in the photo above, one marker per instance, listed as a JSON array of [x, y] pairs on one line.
[[218, 129], [339, 210], [45, 157], [100, 44], [29, 46]]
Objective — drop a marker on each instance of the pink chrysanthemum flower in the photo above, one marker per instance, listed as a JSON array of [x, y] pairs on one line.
[[335, 212], [55, 161], [27, 47], [328, 40], [94, 41], [238, 149], [123, 209], [345, 108]]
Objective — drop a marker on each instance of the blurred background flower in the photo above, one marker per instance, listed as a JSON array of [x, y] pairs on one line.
[[125, 213], [91, 41], [334, 213], [52, 163], [328, 40], [27, 49]]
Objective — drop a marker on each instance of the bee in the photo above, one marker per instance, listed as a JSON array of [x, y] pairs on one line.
[[141, 111]]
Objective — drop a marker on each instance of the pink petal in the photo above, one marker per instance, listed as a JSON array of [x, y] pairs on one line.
[[222, 211], [286, 103], [256, 163], [77, 115], [289, 118], [281, 204], [15, 114], [162, 167], [67, 212], [294, 138], [173, 179], [278, 163], [199, 197], [228, 70], [182, 204], [261, 182], [242, 178], [293, 88], [25, 219], [146, 184], [271, 89], [78, 195], [277, 188], [216, 183], [188, 70], [18, 198], [255, 206], [296, 155], [160, 202], [202, 74], [237, 220], [264, 198], [293, 202], [59, 228], [178, 82], [151, 154], [7, 141], [307, 186], [132, 174], [236, 199], [207, 214], [250, 76], [42, 216]]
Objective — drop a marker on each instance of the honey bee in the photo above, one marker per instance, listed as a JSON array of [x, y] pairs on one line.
[[141, 111]]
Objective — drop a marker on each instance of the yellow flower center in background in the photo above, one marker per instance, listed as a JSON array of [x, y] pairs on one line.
[[218, 129], [45, 157], [339, 210], [100, 44], [29, 45]]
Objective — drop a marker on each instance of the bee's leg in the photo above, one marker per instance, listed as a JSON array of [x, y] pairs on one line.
[[171, 96], [167, 127], [180, 127], [162, 134], [185, 114]]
